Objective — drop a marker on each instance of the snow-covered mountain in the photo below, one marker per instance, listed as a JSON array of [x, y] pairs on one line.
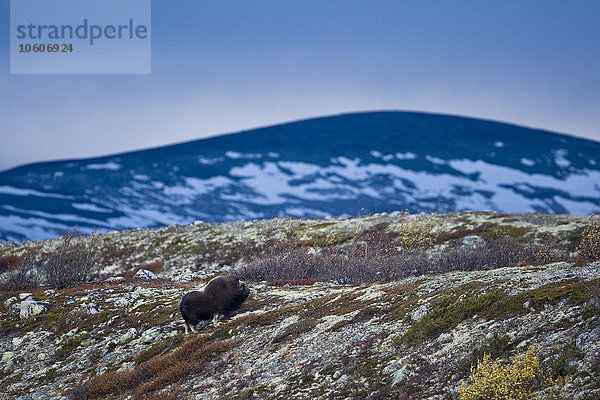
[[331, 166]]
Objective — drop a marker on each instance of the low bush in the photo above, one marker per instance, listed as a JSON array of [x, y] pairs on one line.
[[589, 246], [9, 263], [75, 260], [24, 276], [519, 380], [380, 260]]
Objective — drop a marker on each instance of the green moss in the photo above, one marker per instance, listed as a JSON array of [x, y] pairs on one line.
[[410, 389], [494, 232], [70, 345], [322, 225], [447, 314], [497, 347], [550, 294], [560, 364], [296, 329], [329, 370], [155, 350]]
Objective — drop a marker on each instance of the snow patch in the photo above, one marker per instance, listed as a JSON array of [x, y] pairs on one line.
[[406, 156], [30, 192], [436, 160], [209, 161], [235, 155], [527, 162], [90, 207], [111, 166], [560, 158]]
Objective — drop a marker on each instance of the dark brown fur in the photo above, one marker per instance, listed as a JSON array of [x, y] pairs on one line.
[[222, 295]]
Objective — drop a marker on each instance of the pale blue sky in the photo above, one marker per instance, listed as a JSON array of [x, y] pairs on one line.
[[223, 66]]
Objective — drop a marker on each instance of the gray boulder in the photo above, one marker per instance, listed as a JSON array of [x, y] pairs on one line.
[[145, 274], [31, 307]]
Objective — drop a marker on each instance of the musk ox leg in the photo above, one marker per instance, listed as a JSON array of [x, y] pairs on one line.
[[189, 326], [215, 319]]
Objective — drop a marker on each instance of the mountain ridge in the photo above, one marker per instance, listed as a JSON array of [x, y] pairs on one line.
[[325, 166]]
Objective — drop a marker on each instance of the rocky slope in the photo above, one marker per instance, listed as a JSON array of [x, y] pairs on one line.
[[414, 338]]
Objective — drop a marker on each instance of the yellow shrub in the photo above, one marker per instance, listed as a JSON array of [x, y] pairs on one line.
[[589, 247], [491, 380], [415, 231]]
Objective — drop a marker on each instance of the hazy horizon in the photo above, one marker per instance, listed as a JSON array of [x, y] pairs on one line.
[[224, 67]]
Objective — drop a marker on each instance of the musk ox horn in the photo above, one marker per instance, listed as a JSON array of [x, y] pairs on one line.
[[222, 295]]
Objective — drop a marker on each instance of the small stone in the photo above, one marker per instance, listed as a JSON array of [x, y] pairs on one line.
[[87, 342], [419, 312], [101, 370], [445, 337], [127, 336], [10, 301], [16, 342], [42, 356], [526, 305], [7, 355], [400, 375], [24, 295], [92, 308], [471, 241], [123, 302], [145, 274], [151, 334]]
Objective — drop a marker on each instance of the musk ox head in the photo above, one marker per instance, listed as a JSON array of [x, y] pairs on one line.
[[222, 295]]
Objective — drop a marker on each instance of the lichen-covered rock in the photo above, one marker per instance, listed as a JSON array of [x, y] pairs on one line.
[[91, 308], [418, 313], [589, 340], [128, 336], [151, 334], [145, 274], [7, 355], [30, 307], [10, 301], [126, 300]]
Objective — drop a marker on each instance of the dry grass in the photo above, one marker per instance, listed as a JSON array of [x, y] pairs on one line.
[[191, 357]]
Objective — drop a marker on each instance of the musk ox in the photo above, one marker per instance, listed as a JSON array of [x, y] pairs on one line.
[[222, 295]]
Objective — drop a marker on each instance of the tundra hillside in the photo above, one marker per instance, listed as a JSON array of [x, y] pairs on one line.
[[443, 306]]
